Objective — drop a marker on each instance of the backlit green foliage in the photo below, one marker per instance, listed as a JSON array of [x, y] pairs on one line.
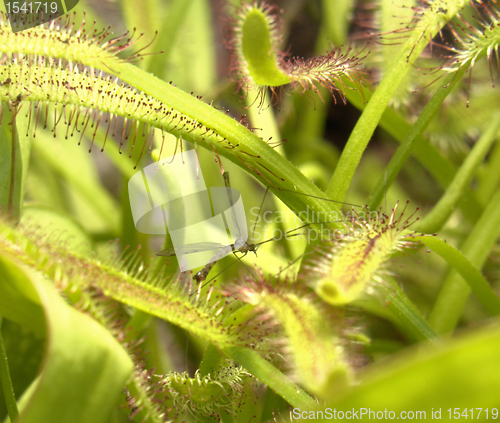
[[337, 310]]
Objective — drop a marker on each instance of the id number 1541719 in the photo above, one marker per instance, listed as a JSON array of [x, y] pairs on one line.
[[472, 413]]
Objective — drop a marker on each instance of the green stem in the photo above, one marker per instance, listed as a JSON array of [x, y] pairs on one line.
[[13, 168], [272, 377], [252, 151], [177, 12], [211, 361], [408, 315], [8, 390], [396, 126], [370, 118], [398, 160], [491, 176], [474, 278], [195, 121], [446, 205], [10, 163], [440, 168], [455, 291]]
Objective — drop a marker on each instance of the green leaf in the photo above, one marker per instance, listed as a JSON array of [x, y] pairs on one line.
[[194, 39], [257, 48], [19, 301], [271, 376], [11, 164], [414, 136], [84, 369], [24, 351], [66, 231], [70, 163], [474, 278], [336, 15], [427, 27], [168, 34], [441, 212], [461, 373], [454, 292], [6, 381]]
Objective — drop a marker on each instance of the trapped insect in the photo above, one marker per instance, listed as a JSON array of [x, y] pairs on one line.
[[240, 245]]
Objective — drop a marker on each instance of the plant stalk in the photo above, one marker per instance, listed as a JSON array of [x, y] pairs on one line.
[[8, 389], [453, 295]]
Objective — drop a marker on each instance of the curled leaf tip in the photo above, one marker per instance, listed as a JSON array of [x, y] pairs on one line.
[[345, 268], [258, 63]]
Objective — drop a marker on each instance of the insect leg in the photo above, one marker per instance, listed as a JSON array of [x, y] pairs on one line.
[[225, 175]]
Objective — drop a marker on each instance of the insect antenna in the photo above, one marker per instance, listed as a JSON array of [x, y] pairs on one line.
[[290, 264], [227, 183], [276, 238], [260, 209], [321, 198]]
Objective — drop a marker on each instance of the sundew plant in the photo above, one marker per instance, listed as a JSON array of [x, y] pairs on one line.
[[384, 310]]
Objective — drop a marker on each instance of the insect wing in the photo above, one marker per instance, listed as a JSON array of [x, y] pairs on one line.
[[190, 249]]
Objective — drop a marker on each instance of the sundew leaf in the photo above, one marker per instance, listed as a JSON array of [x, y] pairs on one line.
[[84, 369], [318, 354], [182, 114], [144, 288]]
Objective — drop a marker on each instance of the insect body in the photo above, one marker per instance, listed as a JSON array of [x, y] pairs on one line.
[[240, 244], [221, 250], [224, 250]]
